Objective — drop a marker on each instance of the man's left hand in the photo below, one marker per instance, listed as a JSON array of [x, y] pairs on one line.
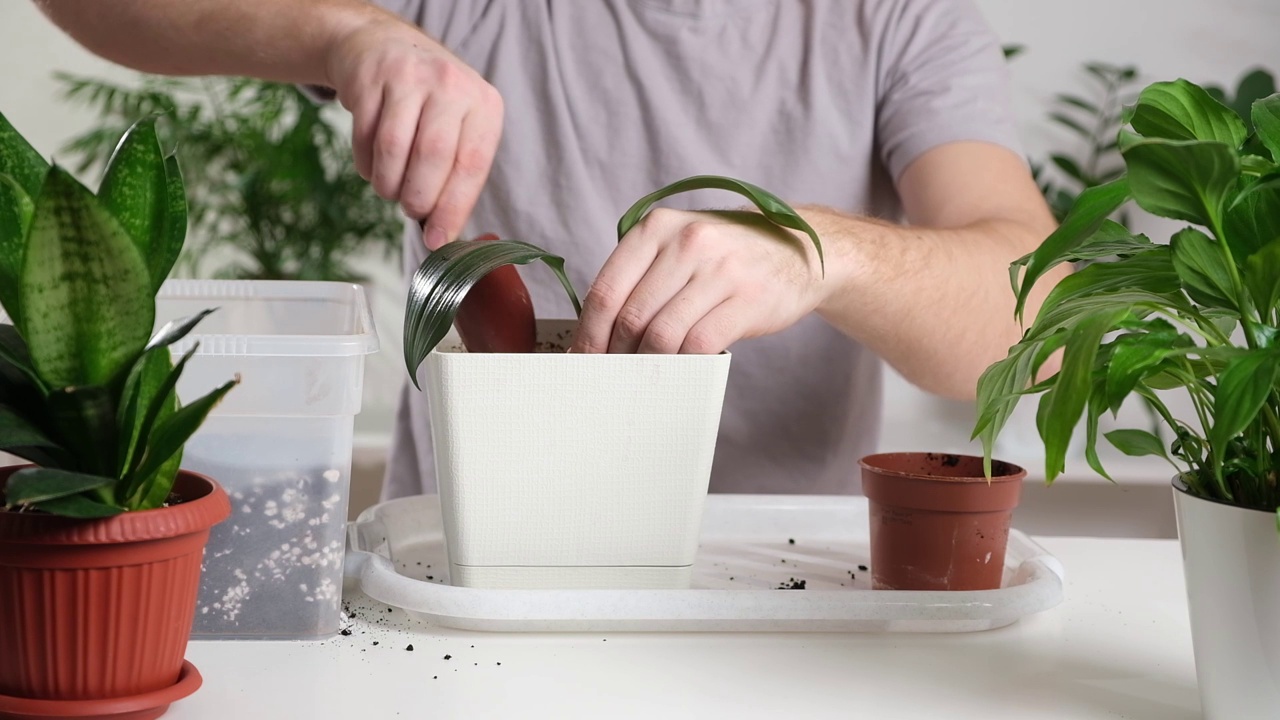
[[696, 282]]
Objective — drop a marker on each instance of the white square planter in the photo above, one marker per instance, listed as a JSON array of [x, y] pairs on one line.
[[573, 471]]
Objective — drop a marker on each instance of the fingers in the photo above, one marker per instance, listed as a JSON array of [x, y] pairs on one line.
[[397, 127], [434, 145], [477, 144], [666, 277], [610, 291], [670, 329], [718, 329]]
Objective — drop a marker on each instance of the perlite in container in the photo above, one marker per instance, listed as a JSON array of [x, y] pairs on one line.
[[280, 445]]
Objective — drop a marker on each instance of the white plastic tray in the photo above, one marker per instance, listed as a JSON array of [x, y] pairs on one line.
[[396, 555]]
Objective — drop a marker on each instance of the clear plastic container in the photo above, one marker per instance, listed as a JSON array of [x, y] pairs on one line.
[[280, 443]]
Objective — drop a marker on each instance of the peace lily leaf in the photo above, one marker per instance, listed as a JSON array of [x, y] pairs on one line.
[[1096, 406], [1262, 276], [1256, 165], [1179, 110], [1090, 211], [1202, 268], [1071, 391], [1266, 122], [78, 506], [86, 296], [37, 485], [135, 190], [167, 439], [1182, 180], [1111, 240], [1137, 354], [20, 161], [442, 281], [1151, 270], [16, 209], [1253, 219], [771, 206], [1242, 388], [1137, 443]]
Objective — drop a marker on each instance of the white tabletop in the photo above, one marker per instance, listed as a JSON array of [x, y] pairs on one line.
[[1118, 647]]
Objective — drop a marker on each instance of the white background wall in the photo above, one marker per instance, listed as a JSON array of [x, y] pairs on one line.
[[1201, 40]]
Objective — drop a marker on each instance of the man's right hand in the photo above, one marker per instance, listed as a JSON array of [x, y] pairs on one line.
[[426, 126]]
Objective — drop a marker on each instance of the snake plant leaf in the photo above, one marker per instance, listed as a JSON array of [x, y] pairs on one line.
[[175, 330], [16, 209], [1086, 217], [141, 388], [166, 441], [1183, 180], [82, 507], [18, 434], [160, 402], [84, 422], [771, 206], [87, 304], [166, 252], [1266, 123], [135, 190], [20, 161], [1180, 110], [38, 485], [442, 281], [14, 353]]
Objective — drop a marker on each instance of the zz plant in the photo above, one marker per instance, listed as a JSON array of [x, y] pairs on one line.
[[87, 393], [437, 289], [1197, 315]]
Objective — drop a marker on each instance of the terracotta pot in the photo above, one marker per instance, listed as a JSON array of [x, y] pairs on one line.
[[936, 521], [101, 610]]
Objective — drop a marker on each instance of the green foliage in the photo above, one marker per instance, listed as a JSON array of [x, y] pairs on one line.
[[1161, 317], [273, 192], [442, 281], [86, 391]]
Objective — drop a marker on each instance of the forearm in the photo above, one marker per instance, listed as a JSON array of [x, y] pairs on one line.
[[279, 40], [934, 303]]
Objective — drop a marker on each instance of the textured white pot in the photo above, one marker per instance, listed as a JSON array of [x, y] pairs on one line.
[[563, 470], [1232, 561]]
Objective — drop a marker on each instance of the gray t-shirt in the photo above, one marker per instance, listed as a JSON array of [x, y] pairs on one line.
[[824, 101]]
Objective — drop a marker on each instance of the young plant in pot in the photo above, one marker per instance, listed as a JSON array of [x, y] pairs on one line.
[[101, 539], [603, 467], [1198, 315]]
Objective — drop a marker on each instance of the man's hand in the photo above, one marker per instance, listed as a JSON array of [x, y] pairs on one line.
[[696, 282], [426, 126]]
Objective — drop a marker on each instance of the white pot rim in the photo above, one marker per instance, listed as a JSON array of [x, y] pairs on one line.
[[1179, 485]]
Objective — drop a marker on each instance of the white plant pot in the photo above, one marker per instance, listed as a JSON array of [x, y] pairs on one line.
[[573, 471], [1232, 561]]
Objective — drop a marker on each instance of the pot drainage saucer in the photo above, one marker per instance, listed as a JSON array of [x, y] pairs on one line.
[[144, 706]]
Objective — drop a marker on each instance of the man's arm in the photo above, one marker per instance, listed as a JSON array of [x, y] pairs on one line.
[[425, 126], [932, 298]]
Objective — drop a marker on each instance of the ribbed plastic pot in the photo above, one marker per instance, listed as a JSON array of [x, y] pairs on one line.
[[101, 609]]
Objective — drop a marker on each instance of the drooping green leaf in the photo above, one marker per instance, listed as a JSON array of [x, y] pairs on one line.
[[1137, 443], [1138, 354], [771, 206], [81, 507], [16, 209], [1253, 218], [1243, 387], [1266, 123], [86, 297], [1092, 208], [14, 353], [1180, 110], [1203, 269], [1262, 277], [1111, 240], [1151, 270], [166, 440], [1071, 391], [19, 160], [1093, 411], [134, 189], [1188, 180], [37, 485], [442, 281], [1256, 165], [84, 420]]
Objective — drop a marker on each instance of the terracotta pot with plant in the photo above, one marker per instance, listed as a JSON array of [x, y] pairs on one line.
[[603, 467], [1198, 315], [101, 540]]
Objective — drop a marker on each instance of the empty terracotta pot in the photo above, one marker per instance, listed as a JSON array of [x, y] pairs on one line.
[[937, 523], [100, 610]]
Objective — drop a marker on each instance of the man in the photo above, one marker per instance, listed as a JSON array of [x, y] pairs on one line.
[[858, 112]]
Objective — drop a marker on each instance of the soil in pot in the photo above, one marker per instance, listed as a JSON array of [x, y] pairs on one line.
[[937, 522]]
